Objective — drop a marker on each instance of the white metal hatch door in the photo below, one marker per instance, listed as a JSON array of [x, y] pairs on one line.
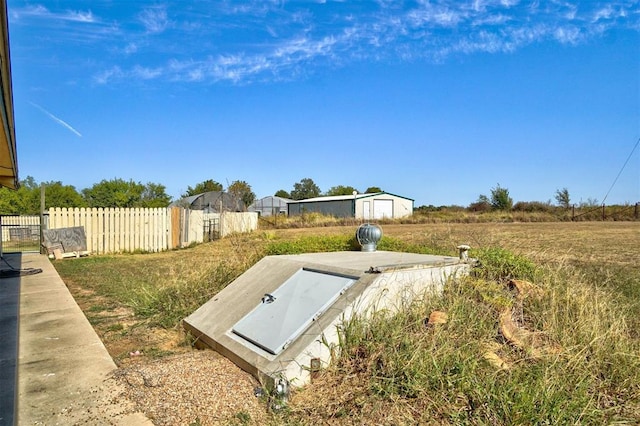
[[283, 315]]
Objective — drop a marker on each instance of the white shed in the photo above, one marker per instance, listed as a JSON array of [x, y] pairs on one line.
[[379, 205]]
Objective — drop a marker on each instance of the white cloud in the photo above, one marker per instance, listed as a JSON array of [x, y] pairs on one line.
[[131, 48], [497, 19], [40, 11], [196, 74], [113, 73], [482, 42], [438, 15], [305, 48], [154, 19], [79, 16], [258, 40], [567, 35], [604, 13], [146, 73], [571, 13], [478, 5]]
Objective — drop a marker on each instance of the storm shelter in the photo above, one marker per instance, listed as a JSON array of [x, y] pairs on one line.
[[280, 319]]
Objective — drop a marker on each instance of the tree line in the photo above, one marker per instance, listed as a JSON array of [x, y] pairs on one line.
[[106, 193], [307, 188], [122, 193]]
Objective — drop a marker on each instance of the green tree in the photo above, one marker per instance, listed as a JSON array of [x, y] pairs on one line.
[[282, 194], [304, 189], [154, 195], [373, 190], [29, 183], [121, 193], [113, 193], [26, 199], [241, 191], [58, 195], [8, 201], [562, 197], [500, 199], [341, 190], [206, 186], [14, 201]]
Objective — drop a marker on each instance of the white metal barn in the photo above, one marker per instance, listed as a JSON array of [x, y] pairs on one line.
[[379, 205]]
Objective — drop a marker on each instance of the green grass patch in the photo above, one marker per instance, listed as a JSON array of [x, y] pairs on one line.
[[164, 292], [332, 243], [312, 244], [115, 327]]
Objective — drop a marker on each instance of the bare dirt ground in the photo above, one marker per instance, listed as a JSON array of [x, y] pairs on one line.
[[176, 385]]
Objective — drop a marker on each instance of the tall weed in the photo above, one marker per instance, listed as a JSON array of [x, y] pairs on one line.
[[500, 264], [168, 305], [439, 374]]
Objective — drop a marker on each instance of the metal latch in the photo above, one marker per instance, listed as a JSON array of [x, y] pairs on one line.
[[268, 298]]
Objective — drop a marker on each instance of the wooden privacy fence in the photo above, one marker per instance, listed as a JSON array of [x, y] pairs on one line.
[[116, 230]]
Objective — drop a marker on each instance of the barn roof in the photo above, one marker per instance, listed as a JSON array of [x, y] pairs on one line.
[[346, 197], [272, 198], [270, 201]]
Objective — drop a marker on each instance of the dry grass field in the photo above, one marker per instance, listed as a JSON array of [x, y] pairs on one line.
[[135, 302], [615, 242]]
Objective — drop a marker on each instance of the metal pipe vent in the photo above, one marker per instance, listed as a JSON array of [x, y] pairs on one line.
[[368, 236]]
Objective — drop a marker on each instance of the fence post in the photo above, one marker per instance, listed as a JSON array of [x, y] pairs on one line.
[[42, 204], [573, 212], [175, 227], [603, 212]]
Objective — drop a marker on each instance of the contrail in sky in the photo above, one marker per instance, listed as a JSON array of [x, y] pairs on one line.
[[56, 119]]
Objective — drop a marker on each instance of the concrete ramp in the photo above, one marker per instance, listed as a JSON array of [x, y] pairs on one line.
[[280, 318]]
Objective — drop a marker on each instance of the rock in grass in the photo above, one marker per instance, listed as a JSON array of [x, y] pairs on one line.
[[437, 317]]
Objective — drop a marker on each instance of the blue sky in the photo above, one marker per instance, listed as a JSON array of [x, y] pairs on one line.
[[439, 100]]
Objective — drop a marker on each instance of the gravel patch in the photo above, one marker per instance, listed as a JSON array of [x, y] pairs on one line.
[[197, 388]]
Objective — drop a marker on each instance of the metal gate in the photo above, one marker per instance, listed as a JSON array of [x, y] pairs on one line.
[[211, 229], [20, 233]]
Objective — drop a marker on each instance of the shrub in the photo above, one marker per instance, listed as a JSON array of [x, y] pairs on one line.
[[499, 264], [533, 206]]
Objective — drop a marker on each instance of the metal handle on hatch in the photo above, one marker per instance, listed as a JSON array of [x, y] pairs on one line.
[[268, 298]]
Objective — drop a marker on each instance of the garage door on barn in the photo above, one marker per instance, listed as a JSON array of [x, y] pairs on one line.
[[382, 209]]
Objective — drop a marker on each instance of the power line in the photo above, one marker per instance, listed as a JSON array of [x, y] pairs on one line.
[[620, 172]]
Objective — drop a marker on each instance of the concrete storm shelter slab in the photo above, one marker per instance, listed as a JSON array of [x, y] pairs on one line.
[[280, 319]]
